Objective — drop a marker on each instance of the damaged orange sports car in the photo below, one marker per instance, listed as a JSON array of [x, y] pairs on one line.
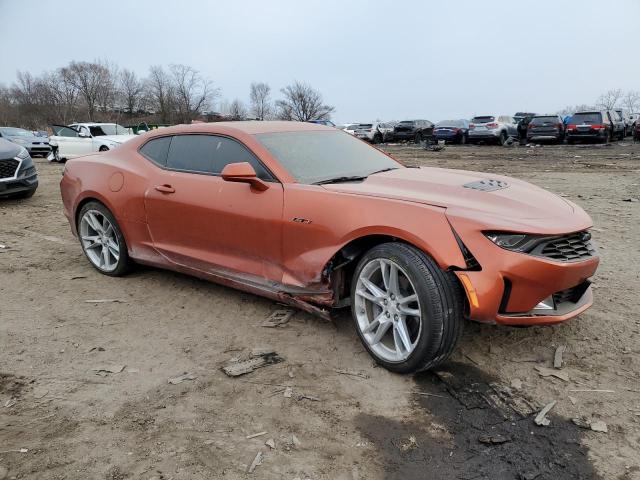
[[311, 216]]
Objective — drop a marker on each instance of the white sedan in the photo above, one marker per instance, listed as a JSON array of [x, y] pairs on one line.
[[80, 139]]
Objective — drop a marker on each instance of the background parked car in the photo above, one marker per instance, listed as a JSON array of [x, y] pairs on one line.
[[18, 176], [350, 128], [619, 127], [636, 131], [84, 138], [545, 128], [628, 119], [454, 131], [590, 126], [413, 130], [519, 116], [492, 128], [374, 132], [35, 145]]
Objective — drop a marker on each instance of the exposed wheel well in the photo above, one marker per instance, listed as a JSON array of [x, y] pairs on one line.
[[339, 270], [82, 203]]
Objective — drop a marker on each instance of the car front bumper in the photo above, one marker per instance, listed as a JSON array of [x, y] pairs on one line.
[[18, 185], [510, 287]]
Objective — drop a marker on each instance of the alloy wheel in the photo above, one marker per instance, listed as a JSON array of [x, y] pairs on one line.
[[99, 240], [387, 310]]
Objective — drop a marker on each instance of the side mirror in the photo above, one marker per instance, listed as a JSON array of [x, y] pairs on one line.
[[83, 134], [243, 172]]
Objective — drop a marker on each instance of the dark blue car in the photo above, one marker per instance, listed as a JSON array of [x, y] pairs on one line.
[[452, 131]]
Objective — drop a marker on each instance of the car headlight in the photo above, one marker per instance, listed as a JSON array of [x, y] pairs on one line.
[[24, 153], [516, 242]]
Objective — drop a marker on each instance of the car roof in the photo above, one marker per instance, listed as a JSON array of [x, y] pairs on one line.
[[246, 127]]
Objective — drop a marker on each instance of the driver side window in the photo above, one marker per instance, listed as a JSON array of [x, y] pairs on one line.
[[204, 154]]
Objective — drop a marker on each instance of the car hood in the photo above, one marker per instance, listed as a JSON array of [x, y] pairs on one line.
[[26, 139], [8, 149], [515, 202]]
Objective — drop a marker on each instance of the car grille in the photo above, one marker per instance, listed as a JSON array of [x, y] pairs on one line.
[[8, 167], [568, 248]]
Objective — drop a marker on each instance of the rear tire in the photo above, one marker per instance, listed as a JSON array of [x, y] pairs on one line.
[[503, 138], [418, 138], [103, 148], [387, 321], [377, 138]]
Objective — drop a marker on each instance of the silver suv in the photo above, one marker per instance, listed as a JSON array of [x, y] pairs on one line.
[[492, 128], [376, 132]]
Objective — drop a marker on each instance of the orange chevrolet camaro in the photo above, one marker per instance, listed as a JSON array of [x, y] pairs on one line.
[[311, 216]]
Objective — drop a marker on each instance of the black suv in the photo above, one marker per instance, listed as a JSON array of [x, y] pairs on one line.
[[18, 176], [545, 128], [416, 130], [593, 126]]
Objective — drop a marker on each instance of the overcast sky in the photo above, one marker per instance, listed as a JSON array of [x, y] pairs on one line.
[[370, 59]]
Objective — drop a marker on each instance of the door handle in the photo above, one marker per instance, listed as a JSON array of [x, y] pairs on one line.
[[165, 188]]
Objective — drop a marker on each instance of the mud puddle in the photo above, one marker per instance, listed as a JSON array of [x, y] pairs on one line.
[[468, 425]]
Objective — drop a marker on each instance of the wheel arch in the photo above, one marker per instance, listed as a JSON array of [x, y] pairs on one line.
[[339, 269], [96, 197]]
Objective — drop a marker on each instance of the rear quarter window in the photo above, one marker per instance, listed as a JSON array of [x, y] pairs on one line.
[[156, 150]]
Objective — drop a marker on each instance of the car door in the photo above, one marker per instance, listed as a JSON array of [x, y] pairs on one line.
[[198, 220], [70, 144]]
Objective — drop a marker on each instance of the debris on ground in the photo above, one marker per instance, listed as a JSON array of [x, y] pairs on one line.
[[256, 461], [105, 300], [271, 443], [582, 422], [599, 426], [181, 378], [516, 383], [3, 472], [291, 442], [260, 357], [278, 318], [98, 349], [308, 397], [352, 373], [288, 392], [541, 419], [410, 444], [105, 370], [493, 439], [550, 372], [557, 357], [631, 200], [21, 450], [254, 435]]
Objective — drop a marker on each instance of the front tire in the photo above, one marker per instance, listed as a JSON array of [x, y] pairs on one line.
[[408, 313], [102, 240]]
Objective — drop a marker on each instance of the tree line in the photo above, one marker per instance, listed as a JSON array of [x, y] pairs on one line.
[[102, 91], [610, 100]]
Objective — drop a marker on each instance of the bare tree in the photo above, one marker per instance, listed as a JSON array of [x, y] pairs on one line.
[[571, 109], [610, 99], [161, 92], [90, 79], [302, 103], [236, 110], [631, 101], [193, 93], [131, 89], [259, 97]]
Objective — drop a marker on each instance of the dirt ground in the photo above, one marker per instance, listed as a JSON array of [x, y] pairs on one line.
[[473, 419]]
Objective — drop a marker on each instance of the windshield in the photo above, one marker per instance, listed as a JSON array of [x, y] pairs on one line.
[[482, 119], [543, 120], [317, 156], [586, 118], [108, 129], [15, 132]]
